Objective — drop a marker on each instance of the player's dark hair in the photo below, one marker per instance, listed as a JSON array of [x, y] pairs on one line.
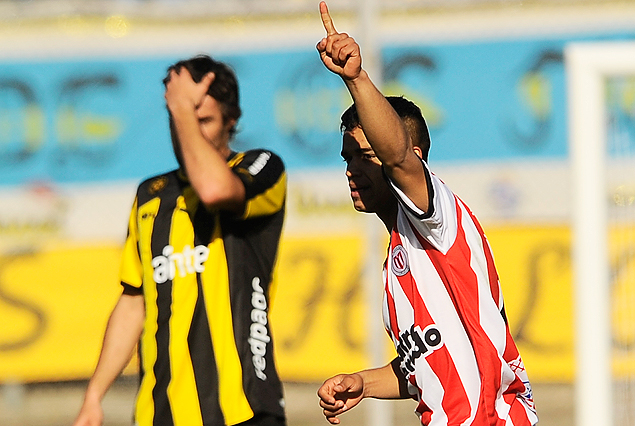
[[224, 88], [410, 115]]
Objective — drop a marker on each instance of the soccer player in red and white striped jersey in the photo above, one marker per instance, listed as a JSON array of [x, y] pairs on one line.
[[443, 306]]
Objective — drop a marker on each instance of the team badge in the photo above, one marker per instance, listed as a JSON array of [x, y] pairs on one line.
[[157, 185], [399, 262]]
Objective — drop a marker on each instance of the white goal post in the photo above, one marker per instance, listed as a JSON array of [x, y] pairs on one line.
[[588, 65]]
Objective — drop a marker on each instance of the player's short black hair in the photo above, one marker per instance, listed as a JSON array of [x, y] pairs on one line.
[[410, 114], [224, 88]]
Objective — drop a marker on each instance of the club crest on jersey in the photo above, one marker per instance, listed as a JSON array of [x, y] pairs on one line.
[[399, 261], [157, 185]]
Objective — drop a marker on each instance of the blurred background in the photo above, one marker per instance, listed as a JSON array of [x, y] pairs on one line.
[[83, 121]]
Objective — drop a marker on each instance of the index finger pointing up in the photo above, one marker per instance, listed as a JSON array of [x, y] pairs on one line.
[[326, 19]]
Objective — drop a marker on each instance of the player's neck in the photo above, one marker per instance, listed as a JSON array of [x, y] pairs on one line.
[[388, 216]]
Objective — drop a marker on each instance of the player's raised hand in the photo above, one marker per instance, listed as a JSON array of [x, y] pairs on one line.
[[182, 90], [339, 52]]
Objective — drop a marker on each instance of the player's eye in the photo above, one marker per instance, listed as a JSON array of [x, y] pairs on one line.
[[368, 156]]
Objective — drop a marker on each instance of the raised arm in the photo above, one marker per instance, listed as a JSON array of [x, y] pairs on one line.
[[202, 138], [383, 128]]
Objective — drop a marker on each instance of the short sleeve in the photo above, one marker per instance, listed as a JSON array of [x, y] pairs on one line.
[[131, 271], [264, 176]]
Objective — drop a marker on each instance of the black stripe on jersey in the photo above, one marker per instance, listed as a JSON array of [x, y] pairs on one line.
[[251, 247], [199, 338], [203, 224], [160, 239], [202, 354]]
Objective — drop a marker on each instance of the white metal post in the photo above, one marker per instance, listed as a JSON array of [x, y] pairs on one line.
[[587, 67], [589, 240]]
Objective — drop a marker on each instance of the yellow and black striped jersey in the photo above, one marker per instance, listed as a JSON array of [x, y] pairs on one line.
[[206, 356]]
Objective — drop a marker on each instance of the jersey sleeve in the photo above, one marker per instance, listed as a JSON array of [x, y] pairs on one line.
[[131, 271], [264, 176], [438, 224]]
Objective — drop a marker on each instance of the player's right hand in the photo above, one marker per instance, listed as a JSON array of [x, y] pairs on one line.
[[339, 394], [339, 52], [91, 414]]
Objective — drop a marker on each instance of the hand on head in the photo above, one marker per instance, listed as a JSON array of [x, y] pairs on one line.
[[339, 52], [182, 90]]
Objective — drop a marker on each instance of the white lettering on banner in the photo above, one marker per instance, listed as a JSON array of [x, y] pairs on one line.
[[258, 334], [259, 163], [189, 261]]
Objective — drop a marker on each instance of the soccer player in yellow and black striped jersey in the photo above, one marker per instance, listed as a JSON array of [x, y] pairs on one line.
[[196, 271]]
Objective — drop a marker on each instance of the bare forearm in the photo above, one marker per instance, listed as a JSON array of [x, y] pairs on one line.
[[382, 126], [206, 166], [385, 382], [121, 336], [387, 135]]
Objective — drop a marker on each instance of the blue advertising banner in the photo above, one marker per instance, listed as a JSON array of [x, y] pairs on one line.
[[104, 119], [73, 121]]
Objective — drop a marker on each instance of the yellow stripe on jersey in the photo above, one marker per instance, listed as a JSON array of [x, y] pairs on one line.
[[145, 405], [237, 159], [233, 402], [182, 388], [269, 202]]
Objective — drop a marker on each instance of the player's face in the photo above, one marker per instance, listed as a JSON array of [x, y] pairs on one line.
[[369, 190], [210, 120]]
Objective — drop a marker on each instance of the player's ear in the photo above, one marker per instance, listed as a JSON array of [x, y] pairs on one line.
[[418, 151], [229, 124]]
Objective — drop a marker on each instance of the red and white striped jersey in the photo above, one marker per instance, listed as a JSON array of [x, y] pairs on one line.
[[443, 309]]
